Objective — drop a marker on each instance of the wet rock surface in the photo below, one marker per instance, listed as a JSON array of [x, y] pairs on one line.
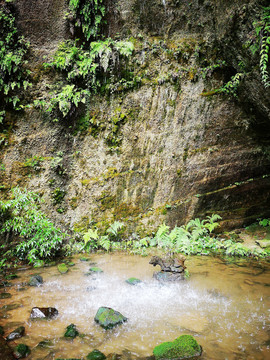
[[62, 268], [21, 351], [71, 331], [172, 269], [16, 334], [43, 313], [36, 280], [108, 318], [133, 281], [95, 355]]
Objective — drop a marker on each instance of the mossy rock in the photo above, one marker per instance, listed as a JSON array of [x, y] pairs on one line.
[[16, 334], [36, 280], [96, 270], [5, 295], [62, 268], [21, 351], [108, 318], [71, 263], [133, 281], [11, 276], [84, 259], [184, 347], [71, 331], [39, 264], [95, 355]]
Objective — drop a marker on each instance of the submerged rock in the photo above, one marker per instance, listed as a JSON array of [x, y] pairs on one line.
[[16, 334], [5, 351], [184, 347], [11, 306], [21, 351], [11, 276], [71, 331], [84, 259], [62, 268], [133, 281], [36, 280], [95, 355], [43, 313], [5, 295], [168, 276], [108, 318], [95, 269]]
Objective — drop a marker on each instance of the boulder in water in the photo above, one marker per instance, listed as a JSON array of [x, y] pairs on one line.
[[43, 313], [71, 331], [95, 355], [184, 347], [16, 334], [133, 281], [62, 268], [108, 318], [21, 351], [168, 276], [36, 280]]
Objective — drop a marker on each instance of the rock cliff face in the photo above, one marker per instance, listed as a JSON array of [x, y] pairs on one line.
[[180, 155]]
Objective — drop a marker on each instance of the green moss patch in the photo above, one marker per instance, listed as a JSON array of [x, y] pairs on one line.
[[181, 348]]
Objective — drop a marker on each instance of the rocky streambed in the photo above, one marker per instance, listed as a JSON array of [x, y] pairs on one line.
[[223, 305]]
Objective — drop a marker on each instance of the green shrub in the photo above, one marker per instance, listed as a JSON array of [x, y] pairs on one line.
[[39, 238], [13, 49]]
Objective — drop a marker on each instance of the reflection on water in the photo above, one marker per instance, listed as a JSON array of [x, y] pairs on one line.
[[225, 306]]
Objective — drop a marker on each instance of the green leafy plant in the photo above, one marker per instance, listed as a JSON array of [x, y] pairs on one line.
[[89, 15], [264, 222], [37, 237], [265, 43], [85, 70], [13, 76]]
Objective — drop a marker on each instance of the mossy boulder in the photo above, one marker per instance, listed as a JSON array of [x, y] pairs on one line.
[[95, 355], [62, 268], [133, 281], [184, 347], [71, 331], [108, 318], [21, 351], [36, 280], [16, 334]]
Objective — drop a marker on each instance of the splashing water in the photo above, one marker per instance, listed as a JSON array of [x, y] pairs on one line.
[[221, 305]]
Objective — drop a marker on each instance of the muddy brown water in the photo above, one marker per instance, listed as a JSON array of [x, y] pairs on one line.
[[224, 306]]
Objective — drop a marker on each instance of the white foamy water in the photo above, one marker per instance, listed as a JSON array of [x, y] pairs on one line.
[[224, 306]]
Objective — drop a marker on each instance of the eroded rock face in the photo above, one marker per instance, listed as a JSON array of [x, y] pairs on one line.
[[197, 154]]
